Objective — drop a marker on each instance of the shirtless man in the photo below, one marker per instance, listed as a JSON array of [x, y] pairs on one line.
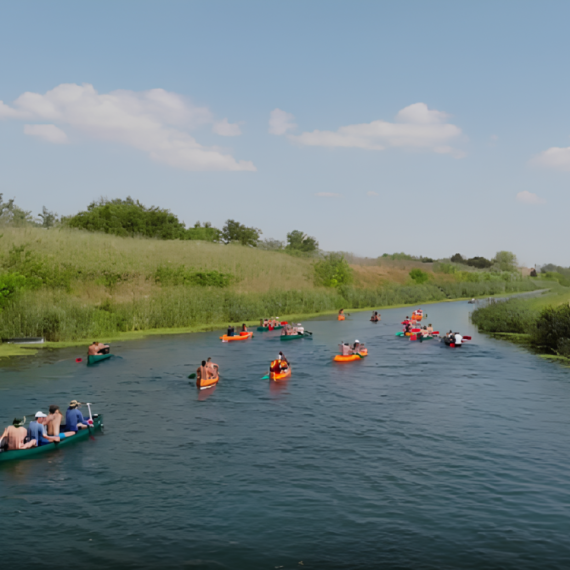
[[15, 435], [203, 372], [53, 422], [212, 367], [97, 348]]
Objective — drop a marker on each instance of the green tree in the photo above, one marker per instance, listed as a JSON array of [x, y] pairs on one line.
[[13, 215], [457, 258], [235, 232], [419, 276], [479, 262], [49, 219], [128, 218], [298, 241], [333, 271], [505, 261]]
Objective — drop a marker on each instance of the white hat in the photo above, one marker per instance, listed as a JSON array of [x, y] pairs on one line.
[[356, 341], [40, 415]]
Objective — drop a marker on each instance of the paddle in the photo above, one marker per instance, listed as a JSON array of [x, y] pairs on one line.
[[466, 338], [192, 376], [266, 377]]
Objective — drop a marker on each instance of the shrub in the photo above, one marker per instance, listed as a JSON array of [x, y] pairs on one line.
[[180, 275], [457, 258], [513, 316], [419, 276], [10, 285], [479, 262], [552, 328], [333, 271]]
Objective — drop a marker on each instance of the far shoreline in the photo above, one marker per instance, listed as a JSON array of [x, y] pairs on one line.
[[14, 350]]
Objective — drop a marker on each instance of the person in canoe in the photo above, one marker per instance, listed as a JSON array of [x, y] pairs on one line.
[[345, 349], [279, 365], [375, 317], [430, 329], [74, 420], [98, 348], [407, 327], [243, 328], [53, 422], [341, 316], [212, 367], [231, 331], [300, 329], [356, 347], [37, 430], [16, 437], [204, 372]]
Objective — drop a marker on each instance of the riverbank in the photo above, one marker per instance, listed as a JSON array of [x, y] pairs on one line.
[[10, 350], [540, 324]]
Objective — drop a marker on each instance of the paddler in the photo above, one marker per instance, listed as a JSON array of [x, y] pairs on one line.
[[231, 330], [283, 361], [243, 328], [97, 348], [203, 372], [212, 367], [356, 347], [430, 329]]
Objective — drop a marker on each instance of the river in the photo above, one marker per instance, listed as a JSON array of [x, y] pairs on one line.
[[419, 456]]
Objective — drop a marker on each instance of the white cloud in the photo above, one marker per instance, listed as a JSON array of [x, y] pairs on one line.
[[280, 122], [48, 133], [327, 194], [152, 121], [555, 157], [226, 129], [415, 127], [372, 193], [529, 198]]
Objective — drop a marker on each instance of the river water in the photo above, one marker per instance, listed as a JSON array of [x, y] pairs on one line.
[[419, 456]]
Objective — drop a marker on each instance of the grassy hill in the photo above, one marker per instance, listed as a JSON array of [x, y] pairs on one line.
[[78, 285]]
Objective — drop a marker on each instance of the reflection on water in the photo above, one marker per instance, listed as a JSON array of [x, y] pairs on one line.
[[416, 457]]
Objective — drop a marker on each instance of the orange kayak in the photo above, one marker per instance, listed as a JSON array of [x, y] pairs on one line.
[[277, 376], [341, 317], [241, 336], [203, 384], [351, 357]]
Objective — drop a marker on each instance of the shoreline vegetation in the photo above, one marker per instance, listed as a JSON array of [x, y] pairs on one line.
[[541, 324], [121, 269]]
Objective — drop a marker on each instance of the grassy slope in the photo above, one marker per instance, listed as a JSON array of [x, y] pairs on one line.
[[258, 272]]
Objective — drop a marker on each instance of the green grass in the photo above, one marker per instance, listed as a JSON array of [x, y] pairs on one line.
[[89, 286]]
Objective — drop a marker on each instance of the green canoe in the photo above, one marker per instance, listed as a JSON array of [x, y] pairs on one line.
[[265, 329], [94, 358], [81, 435], [296, 336]]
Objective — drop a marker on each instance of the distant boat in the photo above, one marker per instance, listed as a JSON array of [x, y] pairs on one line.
[[94, 358]]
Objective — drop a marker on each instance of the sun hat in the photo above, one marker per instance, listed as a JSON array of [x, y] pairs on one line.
[[73, 404], [40, 415], [18, 423]]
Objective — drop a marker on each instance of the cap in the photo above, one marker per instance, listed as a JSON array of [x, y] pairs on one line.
[[356, 341], [40, 415]]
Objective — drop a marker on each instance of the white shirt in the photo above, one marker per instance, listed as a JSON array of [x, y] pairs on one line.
[[458, 338], [301, 330]]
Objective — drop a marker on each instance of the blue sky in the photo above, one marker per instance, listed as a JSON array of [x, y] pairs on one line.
[[426, 127]]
